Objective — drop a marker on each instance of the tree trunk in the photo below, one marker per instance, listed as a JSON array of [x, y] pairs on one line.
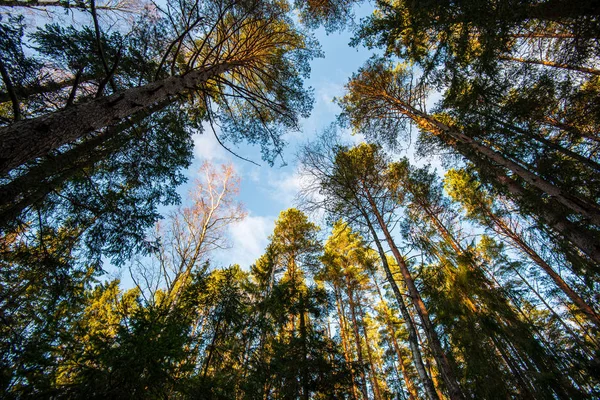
[[552, 64], [410, 386], [29, 139], [546, 142], [454, 390], [357, 341], [412, 333], [303, 337], [343, 332], [374, 383], [54, 171], [29, 189], [586, 208], [412, 391], [552, 218], [556, 278]]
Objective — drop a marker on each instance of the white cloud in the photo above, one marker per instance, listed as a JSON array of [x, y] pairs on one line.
[[206, 148], [326, 93], [285, 187], [248, 239]]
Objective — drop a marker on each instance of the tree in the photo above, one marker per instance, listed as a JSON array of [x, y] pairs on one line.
[[42, 286], [476, 36], [191, 233], [429, 215], [352, 183], [296, 359], [344, 262], [380, 96], [478, 205], [247, 60]]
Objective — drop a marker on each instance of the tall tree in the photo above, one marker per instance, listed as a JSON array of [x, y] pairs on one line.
[[246, 58], [298, 358], [381, 99], [431, 213], [478, 206], [353, 183]]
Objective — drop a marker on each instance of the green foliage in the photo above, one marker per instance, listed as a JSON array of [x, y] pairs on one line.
[[462, 304]]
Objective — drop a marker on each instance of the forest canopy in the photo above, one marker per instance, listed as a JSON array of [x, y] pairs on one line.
[[444, 243]]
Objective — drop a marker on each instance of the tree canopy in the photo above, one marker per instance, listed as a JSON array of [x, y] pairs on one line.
[[387, 279]]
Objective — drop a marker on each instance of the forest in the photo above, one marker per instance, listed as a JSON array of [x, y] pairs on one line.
[[389, 278]]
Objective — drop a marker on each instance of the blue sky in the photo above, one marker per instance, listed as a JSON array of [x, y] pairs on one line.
[[266, 191]]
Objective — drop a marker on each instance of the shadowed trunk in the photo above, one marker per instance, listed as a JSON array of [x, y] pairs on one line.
[[454, 390], [29, 139], [412, 333]]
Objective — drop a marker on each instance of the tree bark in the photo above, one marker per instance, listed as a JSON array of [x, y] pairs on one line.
[[503, 228], [454, 390], [412, 391], [546, 142], [552, 64], [586, 208], [54, 171], [303, 337], [549, 216], [343, 325], [412, 333], [29, 139], [357, 341], [374, 383]]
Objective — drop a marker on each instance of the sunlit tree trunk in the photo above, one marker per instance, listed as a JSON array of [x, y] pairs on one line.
[[410, 386], [343, 335], [454, 390], [359, 355], [454, 137], [501, 226], [412, 334], [373, 371], [303, 337]]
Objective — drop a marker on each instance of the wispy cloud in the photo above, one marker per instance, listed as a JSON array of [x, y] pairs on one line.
[[206, 148], [248, 240]]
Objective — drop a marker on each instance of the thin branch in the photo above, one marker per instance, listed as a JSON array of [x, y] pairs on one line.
[[74, 89], [11, 91]]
